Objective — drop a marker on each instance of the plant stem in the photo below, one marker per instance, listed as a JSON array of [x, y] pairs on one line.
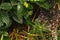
[[2, 37]]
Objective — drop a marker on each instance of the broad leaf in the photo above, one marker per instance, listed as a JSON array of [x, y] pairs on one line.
[[18, 15], [18, 19], [45, 5], [13, 2], [1, 23], [6, 6], [6, 22], [19, 8]]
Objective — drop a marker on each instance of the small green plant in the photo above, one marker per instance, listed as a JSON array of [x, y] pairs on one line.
[[21, 11]]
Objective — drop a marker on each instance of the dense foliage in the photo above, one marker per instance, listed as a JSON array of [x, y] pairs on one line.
[[21, 12]]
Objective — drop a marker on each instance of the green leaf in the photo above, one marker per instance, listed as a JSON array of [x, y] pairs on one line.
[[18, 19], [19, 8], [58, 38], [22, 0], [28, 14], [45, 5], [6, 38], [42, 0], [13, 2], [18, 15], [1, 33], [30, 7], [5, 21], [5, 33], [1, 23], [39, 0], [6, 6]]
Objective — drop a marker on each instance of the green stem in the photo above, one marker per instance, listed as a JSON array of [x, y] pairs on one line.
[[43, 37], [2, 37]]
